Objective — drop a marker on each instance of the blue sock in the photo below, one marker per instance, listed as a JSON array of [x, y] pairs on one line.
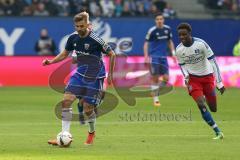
[[206, 115], [80, 108]]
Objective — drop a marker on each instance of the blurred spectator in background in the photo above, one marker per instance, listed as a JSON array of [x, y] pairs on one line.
[[229, 5], [97, 8], [107, 8], [118, 8], [168, 12], [45, 46], [236, 48], [51, 7], [41, 10], [11, 7]]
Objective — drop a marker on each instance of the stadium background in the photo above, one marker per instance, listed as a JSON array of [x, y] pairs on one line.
[[220, 34], [27, 119]]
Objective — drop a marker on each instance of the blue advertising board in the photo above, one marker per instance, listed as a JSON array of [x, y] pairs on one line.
[[19, 35]]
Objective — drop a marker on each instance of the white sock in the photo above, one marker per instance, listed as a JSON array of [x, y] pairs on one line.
[[92, 122], [154, 89], [155, 98], [66, 119]]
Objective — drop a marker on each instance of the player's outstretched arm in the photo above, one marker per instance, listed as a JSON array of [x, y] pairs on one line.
[[217, 74], [145, 51], [56, 59], [112, 56], [183, 68]]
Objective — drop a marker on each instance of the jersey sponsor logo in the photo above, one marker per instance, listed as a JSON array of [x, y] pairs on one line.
[[83, 53], [162, 37], [194, 58]]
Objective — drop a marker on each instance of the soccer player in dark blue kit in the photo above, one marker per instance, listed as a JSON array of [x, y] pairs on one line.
[[158, 43], [87, 82]]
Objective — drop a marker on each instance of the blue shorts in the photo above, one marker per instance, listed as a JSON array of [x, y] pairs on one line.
[[159, 66], [90, 90]]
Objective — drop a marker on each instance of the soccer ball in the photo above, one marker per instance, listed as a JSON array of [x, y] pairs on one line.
[[64, 139]]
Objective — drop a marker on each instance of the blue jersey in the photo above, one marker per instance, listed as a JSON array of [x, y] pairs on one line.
[[158, 39], [89, 54]]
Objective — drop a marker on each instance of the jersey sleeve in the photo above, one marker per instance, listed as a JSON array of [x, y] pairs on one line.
[[170, 35], [69, 44], [182, 64], [148, 36], [105, 48], [208, 51]]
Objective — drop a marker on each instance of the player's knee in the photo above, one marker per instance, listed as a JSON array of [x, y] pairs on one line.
[[213, 107], [88, 109], [155, 79], [68, 99], [200, 103], [165, 78], [66, 103]]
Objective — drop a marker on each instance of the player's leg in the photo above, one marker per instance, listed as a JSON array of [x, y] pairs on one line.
[[80, 111], [72, 91], [155, 90], [210, 93], [68, 99], [91, 119], [91, 100], [196, 91], [154, 70], [164, 71], [206, 115]]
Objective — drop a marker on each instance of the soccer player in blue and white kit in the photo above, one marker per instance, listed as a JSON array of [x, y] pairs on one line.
[[157, 44], [87, 82], [199, 67]]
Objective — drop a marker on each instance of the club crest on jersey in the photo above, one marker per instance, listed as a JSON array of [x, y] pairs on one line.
[[166, 31], [74, 44], [197, 51], [86, 46]]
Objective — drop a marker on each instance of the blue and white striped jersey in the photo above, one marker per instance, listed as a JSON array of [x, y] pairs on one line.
[[89, 54]]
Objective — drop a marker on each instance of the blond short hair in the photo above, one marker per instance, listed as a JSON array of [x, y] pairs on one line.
[[82, 16]]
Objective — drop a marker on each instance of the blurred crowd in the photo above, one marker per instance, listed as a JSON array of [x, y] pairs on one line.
[[230, 5], [96, 8]]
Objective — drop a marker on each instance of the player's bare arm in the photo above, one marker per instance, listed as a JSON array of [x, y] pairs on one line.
[[145, 50], [56, 59], [171, 47], [112, 56]]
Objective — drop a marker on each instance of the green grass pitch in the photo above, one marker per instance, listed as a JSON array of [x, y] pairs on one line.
[[27, 121]]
